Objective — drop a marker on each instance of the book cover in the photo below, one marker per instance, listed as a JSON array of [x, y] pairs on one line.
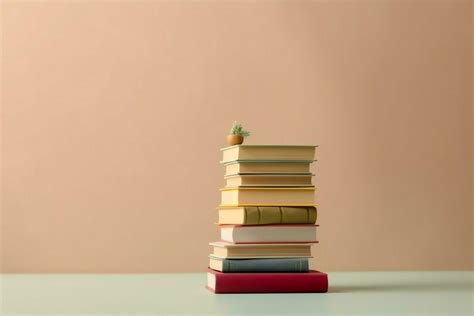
[[273, 282]]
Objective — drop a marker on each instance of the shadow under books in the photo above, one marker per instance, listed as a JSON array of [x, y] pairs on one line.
[[400, 287]]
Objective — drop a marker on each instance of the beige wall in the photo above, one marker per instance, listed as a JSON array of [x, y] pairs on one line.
[[114, 112]]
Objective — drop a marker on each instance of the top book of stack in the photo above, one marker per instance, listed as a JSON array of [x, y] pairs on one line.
[[276, 161], [269, 153]]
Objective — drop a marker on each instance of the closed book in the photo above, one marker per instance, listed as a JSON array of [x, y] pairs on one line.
[[265, 215], [268, 152], [268, 179], [267, 196], [262, 166], [260, 234], [277, 282], [228, 250], [259, 265]]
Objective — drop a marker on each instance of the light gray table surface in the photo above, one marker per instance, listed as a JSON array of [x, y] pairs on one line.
[[350, 293]]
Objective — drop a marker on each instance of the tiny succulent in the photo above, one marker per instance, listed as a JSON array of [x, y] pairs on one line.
[[237, 129]]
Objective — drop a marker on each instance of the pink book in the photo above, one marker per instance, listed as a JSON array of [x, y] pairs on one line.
[[267, 282]]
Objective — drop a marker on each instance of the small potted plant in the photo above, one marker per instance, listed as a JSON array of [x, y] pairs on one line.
[[237, 134]]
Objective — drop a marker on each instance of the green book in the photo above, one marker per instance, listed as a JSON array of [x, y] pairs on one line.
[[259, 265], [265, 215]]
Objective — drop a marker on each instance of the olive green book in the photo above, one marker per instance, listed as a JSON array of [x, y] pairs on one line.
[[266, 215]]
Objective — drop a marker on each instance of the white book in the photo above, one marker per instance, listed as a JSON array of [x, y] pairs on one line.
[[269, 234]]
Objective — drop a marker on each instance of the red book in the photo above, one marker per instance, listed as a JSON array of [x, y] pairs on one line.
[[268, 282]]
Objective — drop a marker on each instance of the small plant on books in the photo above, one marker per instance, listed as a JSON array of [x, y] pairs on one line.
[[237, 134]]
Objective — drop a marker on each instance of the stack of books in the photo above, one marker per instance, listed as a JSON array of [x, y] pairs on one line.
[[267, 222]]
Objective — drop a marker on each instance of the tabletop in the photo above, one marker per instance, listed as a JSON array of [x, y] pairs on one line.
[[350, 293]]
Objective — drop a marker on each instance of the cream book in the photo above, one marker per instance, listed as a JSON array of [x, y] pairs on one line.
[[271, 166], [268, 179], [268, 234], [242, 251], [267, 196], [268, 152]]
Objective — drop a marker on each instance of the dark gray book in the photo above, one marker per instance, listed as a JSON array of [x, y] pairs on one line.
[[259, 265]]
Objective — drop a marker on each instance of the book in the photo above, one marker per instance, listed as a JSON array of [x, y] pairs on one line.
[[268, 234], [267, 196], [291, 166], [268, 152], [259, 265], [265, 215], [272, 282], [290, 250], [268, 179]]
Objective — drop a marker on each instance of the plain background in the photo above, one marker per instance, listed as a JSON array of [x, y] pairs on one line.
[[113, 114]]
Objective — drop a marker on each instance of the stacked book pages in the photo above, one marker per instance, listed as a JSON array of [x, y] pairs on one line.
[[267, 222]]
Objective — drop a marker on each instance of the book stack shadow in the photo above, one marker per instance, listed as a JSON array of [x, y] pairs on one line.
[[267, 222]]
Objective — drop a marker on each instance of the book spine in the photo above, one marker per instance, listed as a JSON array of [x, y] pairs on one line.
[[271, 282], [265, 265], [261, 215]]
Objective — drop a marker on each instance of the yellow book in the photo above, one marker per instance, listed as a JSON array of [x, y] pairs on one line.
[[269, 152], [268, 179], [229, 250], [263, 166], [267, 196]]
